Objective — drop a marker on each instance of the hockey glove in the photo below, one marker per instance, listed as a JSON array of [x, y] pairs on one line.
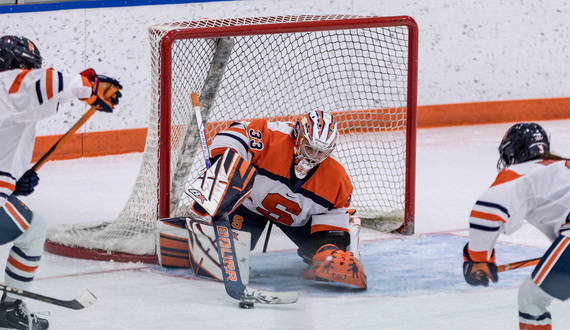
[[106, 91], [27, 183], [478, 270]]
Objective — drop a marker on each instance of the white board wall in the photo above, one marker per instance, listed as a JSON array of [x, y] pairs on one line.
[[470, 51]]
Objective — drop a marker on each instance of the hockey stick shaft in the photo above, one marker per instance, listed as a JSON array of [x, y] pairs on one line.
[[224, 237], [267, 236], [64, 138], [227, 254], [517, 265], [226, 248], [230, 270], [203, 142], [82, 301]]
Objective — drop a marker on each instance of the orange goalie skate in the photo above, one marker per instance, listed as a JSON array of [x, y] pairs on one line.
[[332, 264]]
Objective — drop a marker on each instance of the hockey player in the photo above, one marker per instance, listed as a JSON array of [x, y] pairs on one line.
[[533, 185], [27, 95], [301, 189]]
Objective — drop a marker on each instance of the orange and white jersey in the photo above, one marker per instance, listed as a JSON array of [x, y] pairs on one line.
[[27, 96], [278, 195], [537, 191]]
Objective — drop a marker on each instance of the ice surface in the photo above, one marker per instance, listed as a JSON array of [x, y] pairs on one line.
[[414, 282]]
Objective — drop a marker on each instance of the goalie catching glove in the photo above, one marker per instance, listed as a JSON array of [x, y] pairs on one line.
[[106, 91], [333, 264], [478, 269]]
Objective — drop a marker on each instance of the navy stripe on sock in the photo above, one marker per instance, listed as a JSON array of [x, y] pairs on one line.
[[484, 228], [529, 317], [18, 277], [21, 253]]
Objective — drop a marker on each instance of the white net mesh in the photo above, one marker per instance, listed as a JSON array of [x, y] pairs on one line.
[[358, 74]]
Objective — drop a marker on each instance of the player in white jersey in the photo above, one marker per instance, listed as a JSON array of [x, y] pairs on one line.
[[301, 189], [27, 95], [533, 185]]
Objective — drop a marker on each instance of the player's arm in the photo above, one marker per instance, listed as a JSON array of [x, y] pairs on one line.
[[7, 186], [35, 94], [485, 225], [501, 209], [479, 267], [234, 137]]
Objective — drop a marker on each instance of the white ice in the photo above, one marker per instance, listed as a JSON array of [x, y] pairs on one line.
[[416, 281]]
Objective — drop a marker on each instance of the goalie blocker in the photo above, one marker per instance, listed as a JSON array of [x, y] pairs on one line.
[[224, 186], [190, 243]]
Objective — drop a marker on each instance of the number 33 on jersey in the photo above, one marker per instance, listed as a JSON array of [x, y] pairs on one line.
[[324, 194]]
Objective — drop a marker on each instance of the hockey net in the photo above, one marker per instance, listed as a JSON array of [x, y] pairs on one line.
[[362, 69]]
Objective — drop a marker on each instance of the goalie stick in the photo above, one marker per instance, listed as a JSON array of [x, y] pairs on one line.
[[226, 248], [203, 142], [230, 270], [83, 300]]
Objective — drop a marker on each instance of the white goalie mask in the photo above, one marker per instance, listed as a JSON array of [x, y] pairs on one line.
[[315, 139]]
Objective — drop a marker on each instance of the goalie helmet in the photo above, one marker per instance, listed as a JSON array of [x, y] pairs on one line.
[[315, 138], [522, 142], [18, 53]]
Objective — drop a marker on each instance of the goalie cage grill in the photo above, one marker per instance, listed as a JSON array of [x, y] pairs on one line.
[[363, 69]]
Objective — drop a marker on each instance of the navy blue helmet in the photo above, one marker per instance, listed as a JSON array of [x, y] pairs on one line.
[[522, 142], [18, 53]]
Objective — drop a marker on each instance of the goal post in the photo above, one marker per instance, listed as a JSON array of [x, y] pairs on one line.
[[362, 69]]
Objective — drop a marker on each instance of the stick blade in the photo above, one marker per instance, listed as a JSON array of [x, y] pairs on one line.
[[86, 299], [268, 297]]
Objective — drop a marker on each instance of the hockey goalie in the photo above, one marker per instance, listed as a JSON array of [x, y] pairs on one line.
[[297, 184]]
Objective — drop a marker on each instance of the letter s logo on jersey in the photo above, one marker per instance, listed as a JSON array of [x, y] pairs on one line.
[[279, 209]]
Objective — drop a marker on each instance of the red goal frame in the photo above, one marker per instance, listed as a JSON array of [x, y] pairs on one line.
[[256, 26], [290, 27]]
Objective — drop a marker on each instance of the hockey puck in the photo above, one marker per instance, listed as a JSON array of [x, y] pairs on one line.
[[246, 304]]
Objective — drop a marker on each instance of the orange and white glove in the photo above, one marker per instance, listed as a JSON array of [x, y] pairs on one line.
[[106, 91], [333, 264], [477, 269]]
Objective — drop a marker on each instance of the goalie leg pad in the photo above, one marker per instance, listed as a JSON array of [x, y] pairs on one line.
[[188, 243], [354, 231], [333, 264], [204, 259], [172, 241]]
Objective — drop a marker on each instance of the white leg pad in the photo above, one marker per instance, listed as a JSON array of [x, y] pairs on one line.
[[204, 258], [172, 243], [354, 231], [188, 243]]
